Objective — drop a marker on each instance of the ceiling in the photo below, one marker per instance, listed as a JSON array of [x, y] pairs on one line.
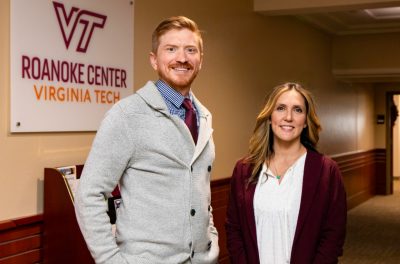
[[363, 21], [339, 17], [344, 17]]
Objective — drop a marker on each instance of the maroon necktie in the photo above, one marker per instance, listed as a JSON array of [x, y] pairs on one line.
[[190, 118]]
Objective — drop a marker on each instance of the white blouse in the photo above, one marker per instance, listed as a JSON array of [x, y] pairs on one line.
[[276, 209]]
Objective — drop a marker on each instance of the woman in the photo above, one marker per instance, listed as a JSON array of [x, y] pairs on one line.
[[287, 202]]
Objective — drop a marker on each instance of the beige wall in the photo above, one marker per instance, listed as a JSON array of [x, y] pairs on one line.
[[365, 116], [368, 58], [347, 116], [382, 92], [245, 55], [380, 108], [23, 156], [296, 6], [369, 53]]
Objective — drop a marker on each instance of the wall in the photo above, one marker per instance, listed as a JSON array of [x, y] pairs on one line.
[[365, 116], [375, 54], [249, 52], [23, 157], [380, 108], [308, 6], [383, 91], [370, 58], [246, 54], [347, 115]]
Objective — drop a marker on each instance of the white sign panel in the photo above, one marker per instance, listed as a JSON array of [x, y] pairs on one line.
[[70, 62]]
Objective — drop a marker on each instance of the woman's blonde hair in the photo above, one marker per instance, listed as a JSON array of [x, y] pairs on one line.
[[261, 142]]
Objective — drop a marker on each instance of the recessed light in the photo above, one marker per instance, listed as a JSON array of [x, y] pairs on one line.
[[384, 13]]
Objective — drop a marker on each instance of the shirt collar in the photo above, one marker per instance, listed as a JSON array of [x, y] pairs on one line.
[[171, 94]]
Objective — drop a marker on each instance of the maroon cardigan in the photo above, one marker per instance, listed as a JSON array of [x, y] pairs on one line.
[[321, 225]]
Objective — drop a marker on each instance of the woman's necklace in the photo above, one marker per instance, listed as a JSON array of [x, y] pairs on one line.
[[277, 175]]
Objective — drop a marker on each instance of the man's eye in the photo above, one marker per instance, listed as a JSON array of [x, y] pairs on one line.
[[192, 50], [171, 49]]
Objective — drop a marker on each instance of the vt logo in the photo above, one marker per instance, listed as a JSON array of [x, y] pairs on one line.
[[69, 21]]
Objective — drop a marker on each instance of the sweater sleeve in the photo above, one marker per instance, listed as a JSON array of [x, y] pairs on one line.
[[235, 241], [334, 228], [111, 151], [214, 247]]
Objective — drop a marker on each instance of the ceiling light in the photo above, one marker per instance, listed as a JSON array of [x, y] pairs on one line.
[[384, 13]]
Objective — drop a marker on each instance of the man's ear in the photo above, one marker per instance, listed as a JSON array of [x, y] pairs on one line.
[[153, 60], [201, 61]]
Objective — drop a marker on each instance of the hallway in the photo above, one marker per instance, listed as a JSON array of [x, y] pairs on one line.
[[373, 231]]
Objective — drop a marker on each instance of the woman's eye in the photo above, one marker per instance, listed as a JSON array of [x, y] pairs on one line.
[[298, 110], [280, 108]]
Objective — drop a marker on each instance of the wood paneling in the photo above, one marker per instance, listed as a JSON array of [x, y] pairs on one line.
[[21, 240], [380, 172], [364, 174], [63, 240], [219, 201]]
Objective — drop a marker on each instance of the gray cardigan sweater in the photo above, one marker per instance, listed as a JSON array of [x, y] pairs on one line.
[[165, 215]]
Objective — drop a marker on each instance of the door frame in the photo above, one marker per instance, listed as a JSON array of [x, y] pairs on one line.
[[389, 142]]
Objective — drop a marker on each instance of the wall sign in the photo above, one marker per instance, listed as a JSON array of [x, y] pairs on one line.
[[70, 62]]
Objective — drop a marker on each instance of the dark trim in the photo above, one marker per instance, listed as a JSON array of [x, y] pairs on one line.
[[22, 221], [364, 174], [220, 182], [21, 240]]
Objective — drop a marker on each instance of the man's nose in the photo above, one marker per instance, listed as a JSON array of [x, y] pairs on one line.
[[181, 56]]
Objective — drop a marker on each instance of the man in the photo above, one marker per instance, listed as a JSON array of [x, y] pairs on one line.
[[157, 144]]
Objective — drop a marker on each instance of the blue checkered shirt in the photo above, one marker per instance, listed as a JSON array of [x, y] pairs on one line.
[[174, 100]]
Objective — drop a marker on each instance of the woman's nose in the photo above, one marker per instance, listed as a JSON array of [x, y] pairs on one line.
[[288, 115]]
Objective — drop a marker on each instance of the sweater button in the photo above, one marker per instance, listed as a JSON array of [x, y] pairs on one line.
[[209, 168], [191, 168], [192, 212]]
